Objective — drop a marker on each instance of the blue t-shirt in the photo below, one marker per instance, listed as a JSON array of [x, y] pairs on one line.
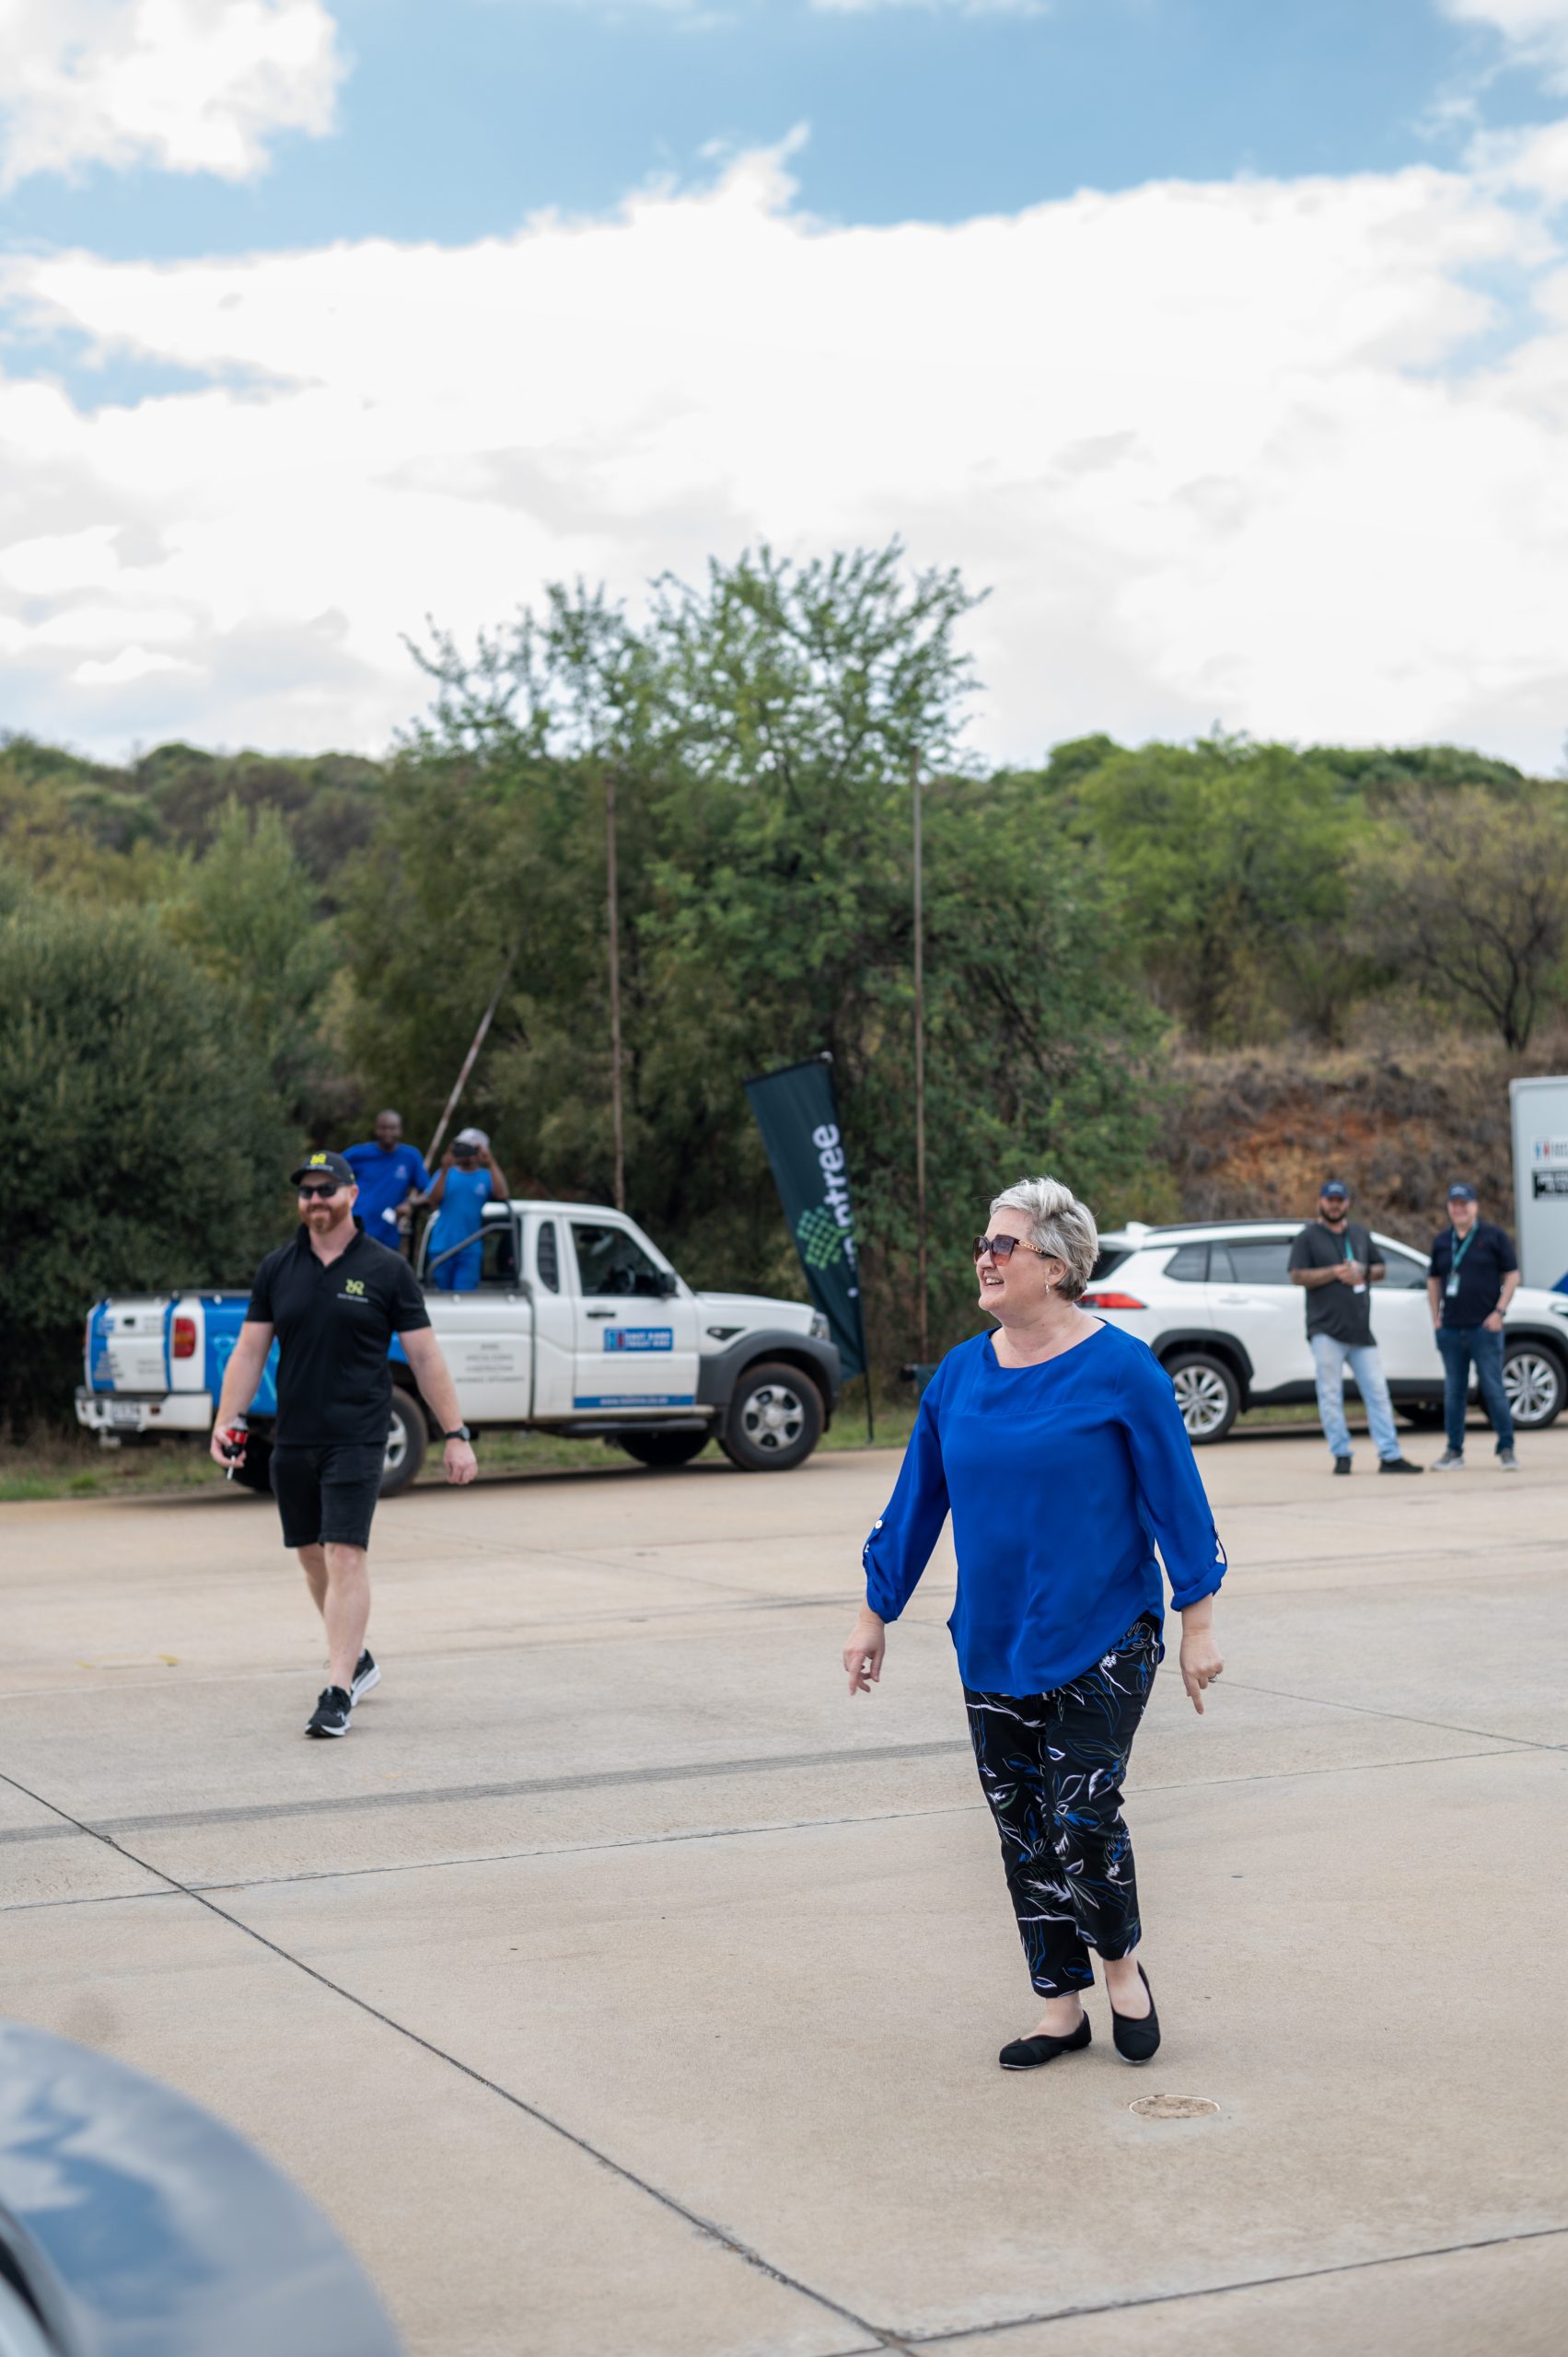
[[1484, 1261], [460, 1217], [386, 1179], [1062, 1479]]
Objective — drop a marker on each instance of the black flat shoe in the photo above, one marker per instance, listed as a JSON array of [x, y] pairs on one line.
[[1137, 2041], [1029, 2053]]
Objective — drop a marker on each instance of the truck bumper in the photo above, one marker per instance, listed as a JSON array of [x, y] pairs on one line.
[[144, 1412]]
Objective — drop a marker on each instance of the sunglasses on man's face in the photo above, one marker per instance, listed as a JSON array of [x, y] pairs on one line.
[[322, 1194], [1001, 1247]]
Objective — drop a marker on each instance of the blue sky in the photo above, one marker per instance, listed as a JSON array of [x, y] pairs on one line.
[[1224, 342], [459, 120]]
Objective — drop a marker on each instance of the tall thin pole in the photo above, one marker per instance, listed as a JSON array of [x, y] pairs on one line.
[[460, 1083], [920, 1064], [613, 895]]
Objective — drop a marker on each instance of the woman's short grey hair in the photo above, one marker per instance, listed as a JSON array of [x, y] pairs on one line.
[[1059, 1224]]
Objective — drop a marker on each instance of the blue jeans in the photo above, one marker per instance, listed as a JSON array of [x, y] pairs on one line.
[[1329, 1356], [1461, 1345]]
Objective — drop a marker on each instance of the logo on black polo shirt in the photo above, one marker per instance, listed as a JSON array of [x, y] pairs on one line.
[[355, 1285]]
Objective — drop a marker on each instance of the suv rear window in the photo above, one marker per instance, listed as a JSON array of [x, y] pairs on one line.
[[1266, 1263], [1108, 1261], [1189, 1264]]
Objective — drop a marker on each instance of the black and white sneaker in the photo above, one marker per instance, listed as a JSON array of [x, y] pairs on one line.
[[331, 1714], [366, 1676]]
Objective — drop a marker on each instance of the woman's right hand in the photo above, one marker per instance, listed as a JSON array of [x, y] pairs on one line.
[[863, 1654]]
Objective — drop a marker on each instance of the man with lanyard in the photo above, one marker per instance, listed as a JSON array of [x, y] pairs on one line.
[[334, 1299], [1335, 1259], [1474, 1276], [390, 1175]]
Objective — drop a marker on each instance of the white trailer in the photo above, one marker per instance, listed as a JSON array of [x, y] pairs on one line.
[[1539, 1110]]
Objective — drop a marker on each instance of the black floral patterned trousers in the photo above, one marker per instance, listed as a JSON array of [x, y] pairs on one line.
[[1051, 1768]]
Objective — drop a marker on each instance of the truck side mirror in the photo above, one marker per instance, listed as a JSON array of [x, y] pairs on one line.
[[668, 1284]]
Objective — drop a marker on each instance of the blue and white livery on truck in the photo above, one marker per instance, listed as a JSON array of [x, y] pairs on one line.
[[578, 1325]]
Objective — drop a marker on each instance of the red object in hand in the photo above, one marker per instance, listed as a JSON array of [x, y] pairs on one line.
[[234, 1439]]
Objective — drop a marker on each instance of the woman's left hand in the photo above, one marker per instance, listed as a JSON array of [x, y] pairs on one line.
[[1202, 1661]]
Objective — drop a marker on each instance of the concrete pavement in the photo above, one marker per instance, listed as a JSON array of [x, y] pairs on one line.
[[621, 1989]]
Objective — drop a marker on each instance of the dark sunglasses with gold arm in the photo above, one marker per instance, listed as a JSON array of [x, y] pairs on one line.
[[1001, 1247]]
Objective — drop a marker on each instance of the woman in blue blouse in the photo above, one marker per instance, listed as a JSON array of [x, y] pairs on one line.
[[1057, 1446]]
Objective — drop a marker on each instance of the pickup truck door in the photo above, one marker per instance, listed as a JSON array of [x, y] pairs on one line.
[[555, 1314], [485, 1334], [636, 1342]]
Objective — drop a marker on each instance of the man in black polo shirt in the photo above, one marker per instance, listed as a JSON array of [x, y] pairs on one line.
[[1473, 1277], [1335, 1261], [334, 1299]]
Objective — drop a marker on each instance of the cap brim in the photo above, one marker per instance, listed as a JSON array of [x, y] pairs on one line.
[[314, 1170]]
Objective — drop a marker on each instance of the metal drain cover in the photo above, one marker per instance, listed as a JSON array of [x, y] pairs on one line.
[[1173, 2108]]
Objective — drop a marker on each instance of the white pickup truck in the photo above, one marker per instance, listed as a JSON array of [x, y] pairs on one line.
[[578, 1324]]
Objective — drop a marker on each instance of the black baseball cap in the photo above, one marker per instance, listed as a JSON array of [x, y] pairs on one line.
[[1334, 1186], [1461, 1191], [325, 1165]]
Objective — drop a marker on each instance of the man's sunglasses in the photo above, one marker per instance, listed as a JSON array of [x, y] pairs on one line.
[[320, 1194], [1001, 1247]]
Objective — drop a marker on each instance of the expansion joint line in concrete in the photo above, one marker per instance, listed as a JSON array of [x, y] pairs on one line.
[[1219, 2291], [878, 2339], [1404, 1718]]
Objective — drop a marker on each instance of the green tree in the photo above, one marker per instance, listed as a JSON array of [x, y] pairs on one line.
[[249, 914], [760, 728], [1467, 892], [1230, 860], [144, 1151]]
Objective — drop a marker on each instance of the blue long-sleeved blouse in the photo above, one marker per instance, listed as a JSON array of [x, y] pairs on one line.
[[1062, 1479]]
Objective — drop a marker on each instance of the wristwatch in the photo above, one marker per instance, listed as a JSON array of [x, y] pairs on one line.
[[462, 1432]]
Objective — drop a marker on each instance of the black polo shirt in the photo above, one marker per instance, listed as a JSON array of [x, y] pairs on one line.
[[334, 1320], [1484, 1261], [1338, 1310]]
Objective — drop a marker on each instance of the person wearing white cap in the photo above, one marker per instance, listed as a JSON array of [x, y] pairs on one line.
[[470, 1177]]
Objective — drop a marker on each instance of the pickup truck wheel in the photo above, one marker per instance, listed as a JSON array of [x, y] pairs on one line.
[[774, 1420], [406, 1444], [663, 1448], [1207, 1394]]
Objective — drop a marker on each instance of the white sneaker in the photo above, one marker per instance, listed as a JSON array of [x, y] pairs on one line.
[[1451, 1461], [1507, 1460]]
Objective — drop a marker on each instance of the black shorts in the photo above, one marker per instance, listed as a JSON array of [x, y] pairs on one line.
[[326, 1495]]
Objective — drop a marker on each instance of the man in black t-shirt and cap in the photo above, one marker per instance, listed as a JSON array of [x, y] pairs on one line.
[[334, 1299], [1335, 1259], [1474, 1275]]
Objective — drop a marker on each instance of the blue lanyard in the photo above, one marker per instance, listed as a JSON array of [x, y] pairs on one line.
[[1458, 1250]]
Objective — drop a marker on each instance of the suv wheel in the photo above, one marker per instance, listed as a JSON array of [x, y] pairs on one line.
[[1534, 1380], [774, 1420], [1207, 1394], [406, 1442]]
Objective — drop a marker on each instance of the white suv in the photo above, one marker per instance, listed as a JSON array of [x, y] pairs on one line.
[[1214, 1303]]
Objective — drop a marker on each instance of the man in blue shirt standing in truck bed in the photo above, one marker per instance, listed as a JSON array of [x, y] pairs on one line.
[[1474, 1276], [390, 1174]]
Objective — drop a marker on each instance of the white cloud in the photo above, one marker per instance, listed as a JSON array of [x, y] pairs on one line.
[[1223, 452], [1538, 30], [188, 86], [120, 670]]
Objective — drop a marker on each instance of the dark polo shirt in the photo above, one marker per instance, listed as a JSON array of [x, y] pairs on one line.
[[1484, 1261], [334, 1321]]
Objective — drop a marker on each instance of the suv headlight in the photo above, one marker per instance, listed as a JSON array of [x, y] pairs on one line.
[[820, 1329]]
